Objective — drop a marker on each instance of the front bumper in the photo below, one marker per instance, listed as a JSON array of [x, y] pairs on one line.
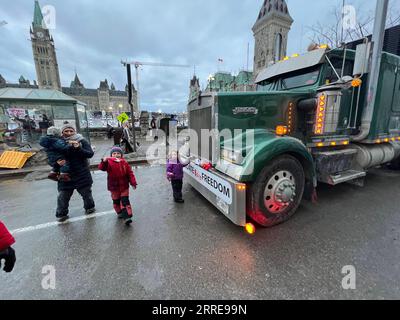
[[225, 193]]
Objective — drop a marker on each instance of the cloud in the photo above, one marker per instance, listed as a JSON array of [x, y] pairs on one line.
[[93, 36]]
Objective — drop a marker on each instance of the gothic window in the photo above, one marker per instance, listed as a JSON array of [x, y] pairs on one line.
[[278, 47]]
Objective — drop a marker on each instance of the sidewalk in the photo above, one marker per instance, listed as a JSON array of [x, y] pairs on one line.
[[38, 167], [101, 148]]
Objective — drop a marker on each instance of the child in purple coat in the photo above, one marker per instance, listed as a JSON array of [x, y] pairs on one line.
[[175, 175]]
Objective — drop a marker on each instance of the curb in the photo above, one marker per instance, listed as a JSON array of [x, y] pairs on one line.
[[92, 167]]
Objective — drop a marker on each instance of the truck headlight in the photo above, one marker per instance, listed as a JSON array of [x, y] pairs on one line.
[[233, 156]]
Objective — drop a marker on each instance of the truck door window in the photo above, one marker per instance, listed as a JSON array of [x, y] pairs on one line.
[[330, 75]]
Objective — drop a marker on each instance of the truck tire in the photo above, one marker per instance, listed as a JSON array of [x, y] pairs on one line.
[[394, 165], [277, 192]]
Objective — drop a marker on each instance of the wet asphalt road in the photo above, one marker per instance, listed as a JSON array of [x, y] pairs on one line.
[[190, 251]]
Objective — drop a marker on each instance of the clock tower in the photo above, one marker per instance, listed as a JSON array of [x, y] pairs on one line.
[[44, 53]]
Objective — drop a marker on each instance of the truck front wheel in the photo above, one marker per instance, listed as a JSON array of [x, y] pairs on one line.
[[277, 191]]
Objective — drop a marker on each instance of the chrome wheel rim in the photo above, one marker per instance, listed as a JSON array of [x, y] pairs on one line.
[[280, 191]]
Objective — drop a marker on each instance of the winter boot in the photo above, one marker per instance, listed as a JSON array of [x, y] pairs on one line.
[[63, 218], [128, 221], [90, 211], [125, 215]]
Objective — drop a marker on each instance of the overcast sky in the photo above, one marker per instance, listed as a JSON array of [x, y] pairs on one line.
[[93, 36]]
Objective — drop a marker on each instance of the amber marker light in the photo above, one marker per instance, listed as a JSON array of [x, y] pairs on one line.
[[320, 115], [250, 228], [333, 143], [346, 143], [356, 82], [281, 130], [319, 145], [241, 187]]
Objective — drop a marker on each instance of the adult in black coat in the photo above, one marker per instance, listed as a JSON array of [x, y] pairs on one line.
[[44, 124], [81, 178]]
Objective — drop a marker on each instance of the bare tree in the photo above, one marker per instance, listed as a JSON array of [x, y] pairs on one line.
[[330, 31]]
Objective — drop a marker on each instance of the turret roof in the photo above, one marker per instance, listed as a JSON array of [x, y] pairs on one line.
[[273, 8], [38, 16]]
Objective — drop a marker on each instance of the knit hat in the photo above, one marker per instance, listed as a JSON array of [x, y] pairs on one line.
[[116, 149], [53, 131], [67, 126]]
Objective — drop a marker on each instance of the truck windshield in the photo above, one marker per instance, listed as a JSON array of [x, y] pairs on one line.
[[290, 81]]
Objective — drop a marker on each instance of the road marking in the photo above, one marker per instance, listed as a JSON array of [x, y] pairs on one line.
[[56, 223]]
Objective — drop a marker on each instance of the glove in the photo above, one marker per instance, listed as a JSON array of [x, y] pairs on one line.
[[170, 175], [9, 256]]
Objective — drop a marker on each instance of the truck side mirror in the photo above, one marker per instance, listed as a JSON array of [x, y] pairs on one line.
[[361, 61]]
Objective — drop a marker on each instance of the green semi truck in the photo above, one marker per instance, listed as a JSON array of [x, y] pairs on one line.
[[326, 116]]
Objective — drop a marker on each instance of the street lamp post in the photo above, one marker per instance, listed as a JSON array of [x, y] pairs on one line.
[[128, 71]]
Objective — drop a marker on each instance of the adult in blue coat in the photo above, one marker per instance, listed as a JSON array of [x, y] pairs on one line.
[[81, 178]]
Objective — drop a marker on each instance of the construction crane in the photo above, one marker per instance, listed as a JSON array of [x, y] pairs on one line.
[[137, 64]]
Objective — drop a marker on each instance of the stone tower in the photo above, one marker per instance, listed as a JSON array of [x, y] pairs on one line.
[[194, 87], [271, 33], [44, 53]]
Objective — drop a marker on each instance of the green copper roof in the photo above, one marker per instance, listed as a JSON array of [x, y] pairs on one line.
[[34, 94], [37, 16], [223, 81]]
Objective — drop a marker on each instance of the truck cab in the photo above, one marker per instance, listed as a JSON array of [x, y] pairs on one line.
[[303, 125]]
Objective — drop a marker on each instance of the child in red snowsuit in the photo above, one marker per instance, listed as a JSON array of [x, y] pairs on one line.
[[6, 252], [120, 176]]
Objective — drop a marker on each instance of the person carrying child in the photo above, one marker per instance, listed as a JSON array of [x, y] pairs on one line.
[[56, 149], [119, 177], [175, 175]]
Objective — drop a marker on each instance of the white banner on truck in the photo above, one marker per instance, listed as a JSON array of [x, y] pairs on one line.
[[215, 184]]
